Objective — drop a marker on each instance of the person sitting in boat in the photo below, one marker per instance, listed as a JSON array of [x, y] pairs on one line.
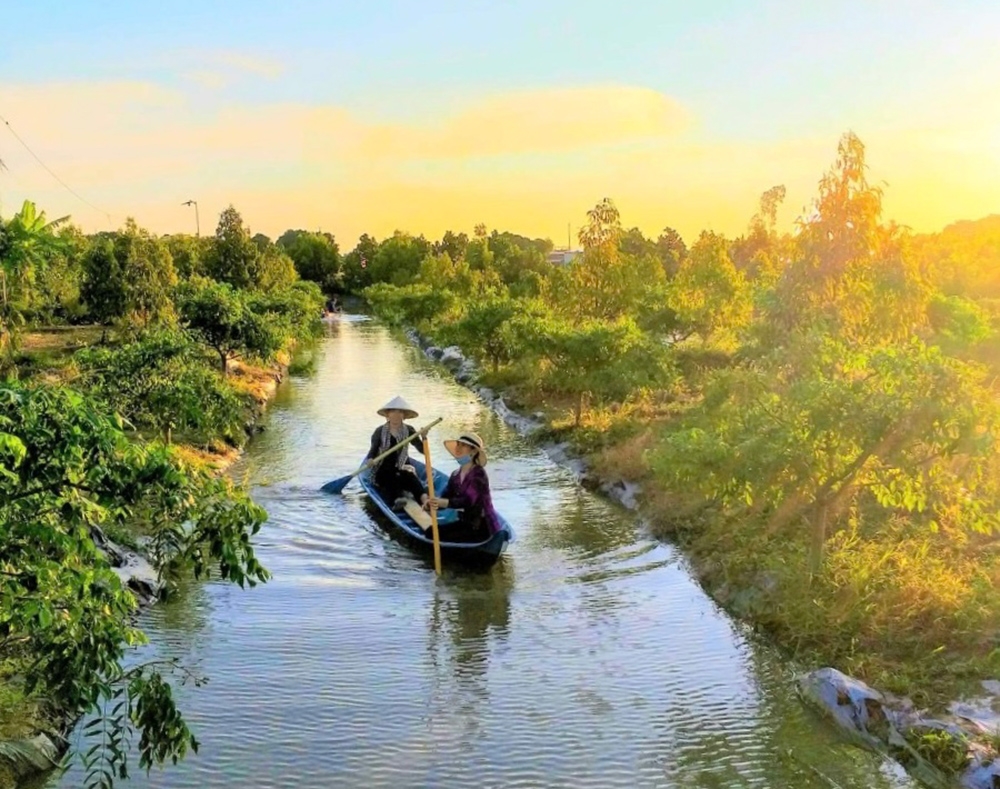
[[468, 490], [393, 476]]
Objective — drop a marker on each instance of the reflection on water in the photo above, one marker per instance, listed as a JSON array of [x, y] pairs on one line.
[[586, 657]]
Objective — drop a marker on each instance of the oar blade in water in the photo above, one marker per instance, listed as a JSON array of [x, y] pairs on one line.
[[337, 485]]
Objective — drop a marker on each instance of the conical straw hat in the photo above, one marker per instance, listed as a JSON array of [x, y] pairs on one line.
[[399, 404]]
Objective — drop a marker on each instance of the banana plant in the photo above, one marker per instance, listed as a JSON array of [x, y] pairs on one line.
[[27, 241]]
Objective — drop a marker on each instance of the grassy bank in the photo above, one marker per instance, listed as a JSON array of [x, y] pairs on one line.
[[814, 416], [913, 612]]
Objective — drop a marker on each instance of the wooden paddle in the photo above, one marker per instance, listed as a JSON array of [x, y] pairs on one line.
[[338, 485], [433, 510]]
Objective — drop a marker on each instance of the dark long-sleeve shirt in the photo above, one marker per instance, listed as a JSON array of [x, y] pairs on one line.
[[472, 495], [376, 447]]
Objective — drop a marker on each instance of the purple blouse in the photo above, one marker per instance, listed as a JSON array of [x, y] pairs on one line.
[[472, 493]]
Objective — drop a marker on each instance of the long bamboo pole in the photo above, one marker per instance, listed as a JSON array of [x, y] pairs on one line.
[[433, 510]]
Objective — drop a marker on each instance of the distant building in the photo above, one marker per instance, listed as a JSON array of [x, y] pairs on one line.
[[561, 257]]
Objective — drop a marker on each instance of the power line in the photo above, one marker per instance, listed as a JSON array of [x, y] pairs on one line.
[[49, 170]]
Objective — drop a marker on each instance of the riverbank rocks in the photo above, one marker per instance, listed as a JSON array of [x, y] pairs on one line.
[[452, 358], [24, 758], [893, 725], [132, 569], [625, 493], [851, 703]]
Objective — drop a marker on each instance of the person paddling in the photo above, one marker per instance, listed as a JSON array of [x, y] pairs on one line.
[[468, 490], [393, 475]]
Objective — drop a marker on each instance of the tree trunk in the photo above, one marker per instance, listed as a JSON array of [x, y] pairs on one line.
[[224, 359], [579, 408], [816, 550]]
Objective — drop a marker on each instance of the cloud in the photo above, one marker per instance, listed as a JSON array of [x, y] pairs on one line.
[[217, 70], [530, 161], [538, 121], [254, 64], [213, 80]]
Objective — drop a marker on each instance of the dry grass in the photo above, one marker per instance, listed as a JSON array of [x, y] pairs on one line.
[[60, 338], [625, 460], [218, 458], [903, 608], [259, 382]]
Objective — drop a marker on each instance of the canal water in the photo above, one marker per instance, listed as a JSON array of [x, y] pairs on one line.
[[588, 657]]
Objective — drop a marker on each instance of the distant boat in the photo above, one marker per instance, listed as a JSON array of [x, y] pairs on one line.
[[478, 554]]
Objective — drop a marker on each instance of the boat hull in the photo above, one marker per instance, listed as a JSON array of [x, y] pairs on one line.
[[469, 554]]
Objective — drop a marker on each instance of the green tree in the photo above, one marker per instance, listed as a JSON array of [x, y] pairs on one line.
[[130, 275], [59, 283], [604, 283], [66, 471], [161, 383], [233, 258], [291, 312], [441, 271], [452, 244], [478, 253], [670, 251], [484, 330], [606, 360], [188, 254], [708, 294], [823, 422], [317, 258], [275, 270], [415, 304], [760, 254], [958, 323], [850, 273], [398, 259], [220, 316], [357, 265], [634, 244]]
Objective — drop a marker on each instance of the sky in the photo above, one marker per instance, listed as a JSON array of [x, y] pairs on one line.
[[440, 114]]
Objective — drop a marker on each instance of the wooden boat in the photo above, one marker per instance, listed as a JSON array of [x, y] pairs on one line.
[[480, 553]]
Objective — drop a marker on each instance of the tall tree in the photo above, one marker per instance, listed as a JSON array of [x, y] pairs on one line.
[[671, 250], [357, 265], [452, 244], [234, 257], [709, 295], [128, 274], [317, 259], [398, 259]]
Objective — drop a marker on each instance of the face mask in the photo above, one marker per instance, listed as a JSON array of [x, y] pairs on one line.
[[463, 459]]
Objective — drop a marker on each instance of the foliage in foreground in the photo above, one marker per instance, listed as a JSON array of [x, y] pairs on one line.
[[67, 470]]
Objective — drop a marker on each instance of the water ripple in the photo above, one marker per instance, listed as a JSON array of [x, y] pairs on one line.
[[587, 657]]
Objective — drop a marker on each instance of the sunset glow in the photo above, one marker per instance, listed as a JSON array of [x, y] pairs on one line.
[[391, 118]]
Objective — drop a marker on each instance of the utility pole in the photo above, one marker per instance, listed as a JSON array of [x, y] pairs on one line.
[[197, 222]]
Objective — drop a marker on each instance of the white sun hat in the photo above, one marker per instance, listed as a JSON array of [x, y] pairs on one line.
[[471, 440]]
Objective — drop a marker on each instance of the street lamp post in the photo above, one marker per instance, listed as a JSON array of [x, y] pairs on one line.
[[197, 222]]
